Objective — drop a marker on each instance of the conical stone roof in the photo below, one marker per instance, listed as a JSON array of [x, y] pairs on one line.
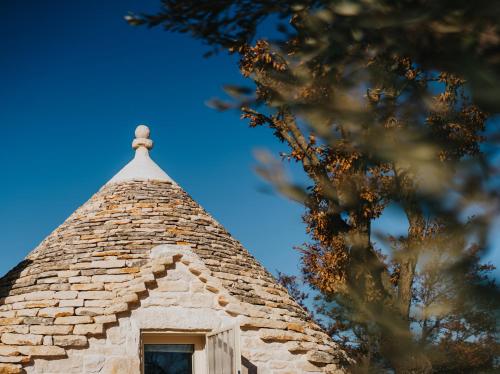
[[115, 247]]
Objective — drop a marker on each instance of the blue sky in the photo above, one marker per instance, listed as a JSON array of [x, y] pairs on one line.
[[75, 81]]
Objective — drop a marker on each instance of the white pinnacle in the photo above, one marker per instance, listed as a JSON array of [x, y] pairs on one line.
[[142, 167]]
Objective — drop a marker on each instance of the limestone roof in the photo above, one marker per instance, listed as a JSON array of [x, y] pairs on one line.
[[103, 259]]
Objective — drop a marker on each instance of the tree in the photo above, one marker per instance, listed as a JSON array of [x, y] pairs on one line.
[[460, 338], [382, 102]]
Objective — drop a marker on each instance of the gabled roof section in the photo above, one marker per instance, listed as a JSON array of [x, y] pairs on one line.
[[142, 167]]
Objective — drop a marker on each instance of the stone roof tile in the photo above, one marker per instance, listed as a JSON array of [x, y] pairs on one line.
[[100, 262]]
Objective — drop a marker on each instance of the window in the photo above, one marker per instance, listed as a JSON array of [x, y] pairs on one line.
[[168, 358], [173, 353], [192, 353]]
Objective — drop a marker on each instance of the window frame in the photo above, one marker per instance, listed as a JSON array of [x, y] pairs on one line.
[[197, 339]]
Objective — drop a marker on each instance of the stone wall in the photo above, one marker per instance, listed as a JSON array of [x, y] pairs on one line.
[[181, 301], [107, 262]]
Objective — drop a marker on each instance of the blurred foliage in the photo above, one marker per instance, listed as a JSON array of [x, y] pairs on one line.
[[383, 103], [292, 284]]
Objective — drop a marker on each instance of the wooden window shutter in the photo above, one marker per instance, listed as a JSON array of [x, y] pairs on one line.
[[223, 351]]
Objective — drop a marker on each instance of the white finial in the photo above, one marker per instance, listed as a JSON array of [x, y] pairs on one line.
[[142, 138], [142, 131], [141, 167]]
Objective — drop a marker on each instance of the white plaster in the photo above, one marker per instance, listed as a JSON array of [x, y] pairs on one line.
[[142, 167], [186, 317], [166, 250]]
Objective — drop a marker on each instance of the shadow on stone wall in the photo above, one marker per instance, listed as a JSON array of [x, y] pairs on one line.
[[247, 366], [8, 281]]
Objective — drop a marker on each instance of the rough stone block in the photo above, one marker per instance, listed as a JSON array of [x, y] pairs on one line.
[[51, 330], [295, 347], [5, 308], [48, 340], [257, 323], [14, 360], [18, 329], [97, 303], [27, 312], [89, 311], [56, 312], [212, 287], [108, 253], [130, 270], [38, 320], [222, 300], [71, 303], [8, 314], [70, 340], [14, 299], [75, 320], [127, 298], [295, 327], [235, 309], [66, 295], [8, 350], [60, 287], [116, 308], [49, 280], [105, 319], [10, 369], [96, 295], [196, 269], [92, 329], [157, 268], [87, 286], [320, 357], [39, 295], [42, 351], [21, 339], [274, 335], [11, 321], [79, 279], [138, 287], [118, 278], [68, 273], [106, 264], [35, 304]]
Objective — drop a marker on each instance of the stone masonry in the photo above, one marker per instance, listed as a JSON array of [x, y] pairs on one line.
[[143, 255]]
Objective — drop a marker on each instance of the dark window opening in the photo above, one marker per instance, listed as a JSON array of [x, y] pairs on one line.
[[168, 358]]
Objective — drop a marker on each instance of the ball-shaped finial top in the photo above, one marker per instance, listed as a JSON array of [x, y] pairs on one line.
[[142, 138], [142, 131]]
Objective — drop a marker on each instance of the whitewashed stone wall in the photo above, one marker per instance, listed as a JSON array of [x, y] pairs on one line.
[[100, 268], [181, 301]]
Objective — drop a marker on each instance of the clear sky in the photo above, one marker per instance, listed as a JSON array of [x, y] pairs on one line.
[[75, 79]]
